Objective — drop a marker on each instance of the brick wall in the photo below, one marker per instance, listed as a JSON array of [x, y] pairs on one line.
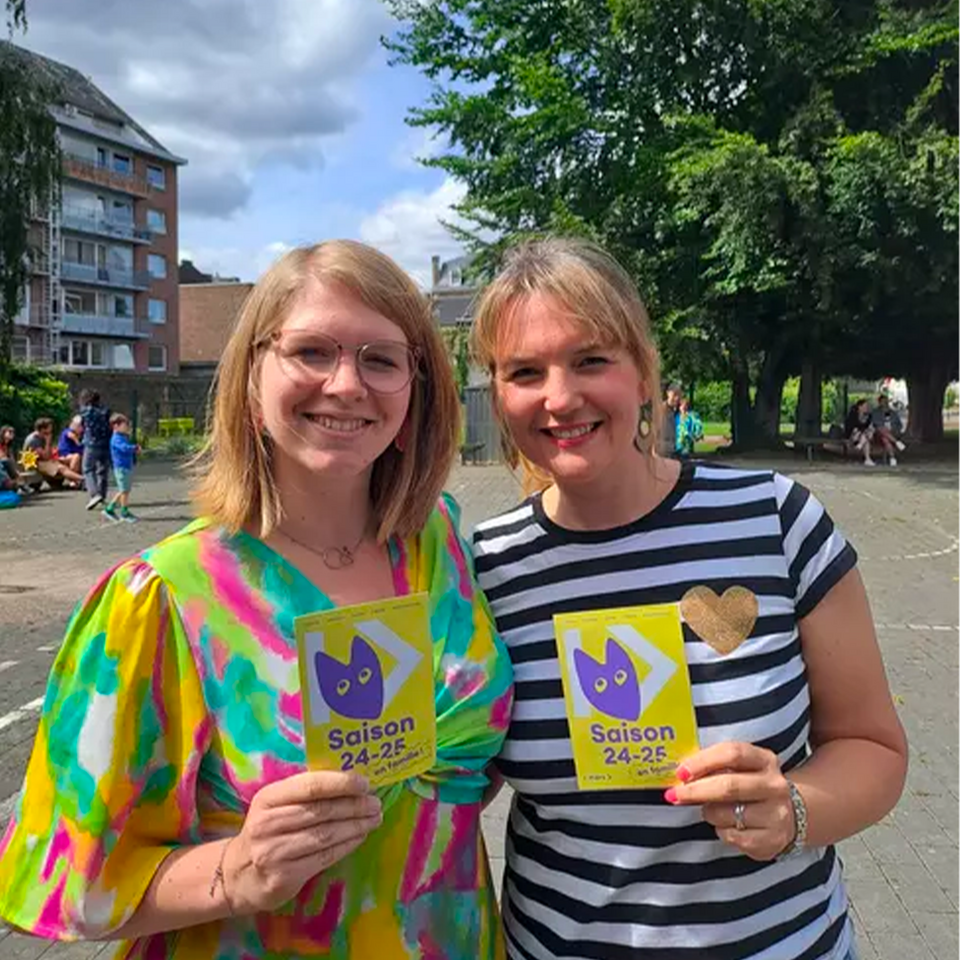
[[208, 314]]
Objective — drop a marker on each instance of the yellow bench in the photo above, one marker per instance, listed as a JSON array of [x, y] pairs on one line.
[[175, 426]]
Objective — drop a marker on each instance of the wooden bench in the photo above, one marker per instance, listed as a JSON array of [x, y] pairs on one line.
[[809, 445], [841, 446], [469, 451]]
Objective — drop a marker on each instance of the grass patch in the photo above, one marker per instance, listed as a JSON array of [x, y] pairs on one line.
[[716, 428]]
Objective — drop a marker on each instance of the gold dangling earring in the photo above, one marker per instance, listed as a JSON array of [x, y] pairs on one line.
[[644, 426]]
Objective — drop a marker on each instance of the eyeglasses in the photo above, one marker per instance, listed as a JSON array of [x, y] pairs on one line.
[[384, 366]]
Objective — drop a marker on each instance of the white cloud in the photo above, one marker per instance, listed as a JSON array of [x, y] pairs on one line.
[[420, 143], [228, 84], [408, 227]]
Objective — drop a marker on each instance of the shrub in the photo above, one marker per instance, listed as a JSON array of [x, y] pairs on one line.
[[31, 392], [711, 400], [185, 445]]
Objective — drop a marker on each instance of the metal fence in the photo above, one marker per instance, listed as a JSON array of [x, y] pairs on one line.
[[482, 440]]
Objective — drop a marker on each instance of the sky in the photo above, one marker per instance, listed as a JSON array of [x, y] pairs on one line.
[[287, 112]]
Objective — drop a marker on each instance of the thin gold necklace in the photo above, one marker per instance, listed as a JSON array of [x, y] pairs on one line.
[[334, 558]]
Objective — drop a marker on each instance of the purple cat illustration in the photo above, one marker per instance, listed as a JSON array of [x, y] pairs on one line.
[[611, 687], [353, 689]]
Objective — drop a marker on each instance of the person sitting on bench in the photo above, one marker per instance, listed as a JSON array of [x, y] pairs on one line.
[[889, 427], [860, 431]]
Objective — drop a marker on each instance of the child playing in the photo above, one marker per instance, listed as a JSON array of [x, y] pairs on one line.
[[122, 453]]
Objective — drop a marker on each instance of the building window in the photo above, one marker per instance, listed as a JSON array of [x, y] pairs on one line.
[[157, 357], [80, 353], [80, 301], [157, 177], [79, 251], [122, 357], [122, 164], [119, 258], [20, 349], [157, 311], [122, 211], [83, 353], [157, 221], [122, 305], [157, 265]]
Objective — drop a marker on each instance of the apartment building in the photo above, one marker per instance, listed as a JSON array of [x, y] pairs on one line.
[[103, 294]]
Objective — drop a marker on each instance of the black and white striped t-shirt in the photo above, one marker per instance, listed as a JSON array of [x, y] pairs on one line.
[[623, 875]]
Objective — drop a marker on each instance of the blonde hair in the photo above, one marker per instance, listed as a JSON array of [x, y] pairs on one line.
[[233, 476], [597, 294]]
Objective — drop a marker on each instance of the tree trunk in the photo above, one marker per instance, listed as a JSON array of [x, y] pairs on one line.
[[742, 426], [810, 402], [925, 389], [757, 424], [766, 404]]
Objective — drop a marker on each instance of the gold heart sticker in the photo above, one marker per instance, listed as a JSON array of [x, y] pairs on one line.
[[722, 622]]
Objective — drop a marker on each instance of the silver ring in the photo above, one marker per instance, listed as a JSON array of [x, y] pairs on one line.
[[738, 821]]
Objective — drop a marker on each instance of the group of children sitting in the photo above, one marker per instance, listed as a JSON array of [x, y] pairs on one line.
[[93, 444]]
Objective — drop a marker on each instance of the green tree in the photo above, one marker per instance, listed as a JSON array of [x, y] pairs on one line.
[[457, 341], [700, 143], [30, 168]]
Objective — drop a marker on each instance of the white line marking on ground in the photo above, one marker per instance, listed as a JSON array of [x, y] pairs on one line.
[[7, 664], [931, 555], [47, 648], [8, 719], [917, 626]]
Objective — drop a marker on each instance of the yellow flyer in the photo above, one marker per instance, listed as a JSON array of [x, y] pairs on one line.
[[366, 672], [627, 692]]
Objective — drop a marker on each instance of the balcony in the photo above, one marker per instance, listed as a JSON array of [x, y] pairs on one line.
[[127, 328], [106, 276], [86, 221], [89, 171]]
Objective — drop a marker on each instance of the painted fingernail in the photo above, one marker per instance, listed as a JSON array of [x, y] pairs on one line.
[[670, 795], [683, 774]]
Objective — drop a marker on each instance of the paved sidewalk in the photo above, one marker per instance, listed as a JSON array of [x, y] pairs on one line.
[[902, 874]]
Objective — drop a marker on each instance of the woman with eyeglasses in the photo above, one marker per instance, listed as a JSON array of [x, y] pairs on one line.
[[167, 802]]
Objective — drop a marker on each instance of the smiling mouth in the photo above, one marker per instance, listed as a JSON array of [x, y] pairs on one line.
[[338, 424], [570, 433]]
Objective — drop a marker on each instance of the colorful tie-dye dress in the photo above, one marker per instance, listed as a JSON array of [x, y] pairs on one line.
[[176, 697]]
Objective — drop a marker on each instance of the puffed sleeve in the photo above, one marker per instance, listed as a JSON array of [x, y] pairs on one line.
[[474, 678], [111, 784], [816, 551]]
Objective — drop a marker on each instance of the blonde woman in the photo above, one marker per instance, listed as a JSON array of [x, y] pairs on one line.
[[167, 803], [800, 742]]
